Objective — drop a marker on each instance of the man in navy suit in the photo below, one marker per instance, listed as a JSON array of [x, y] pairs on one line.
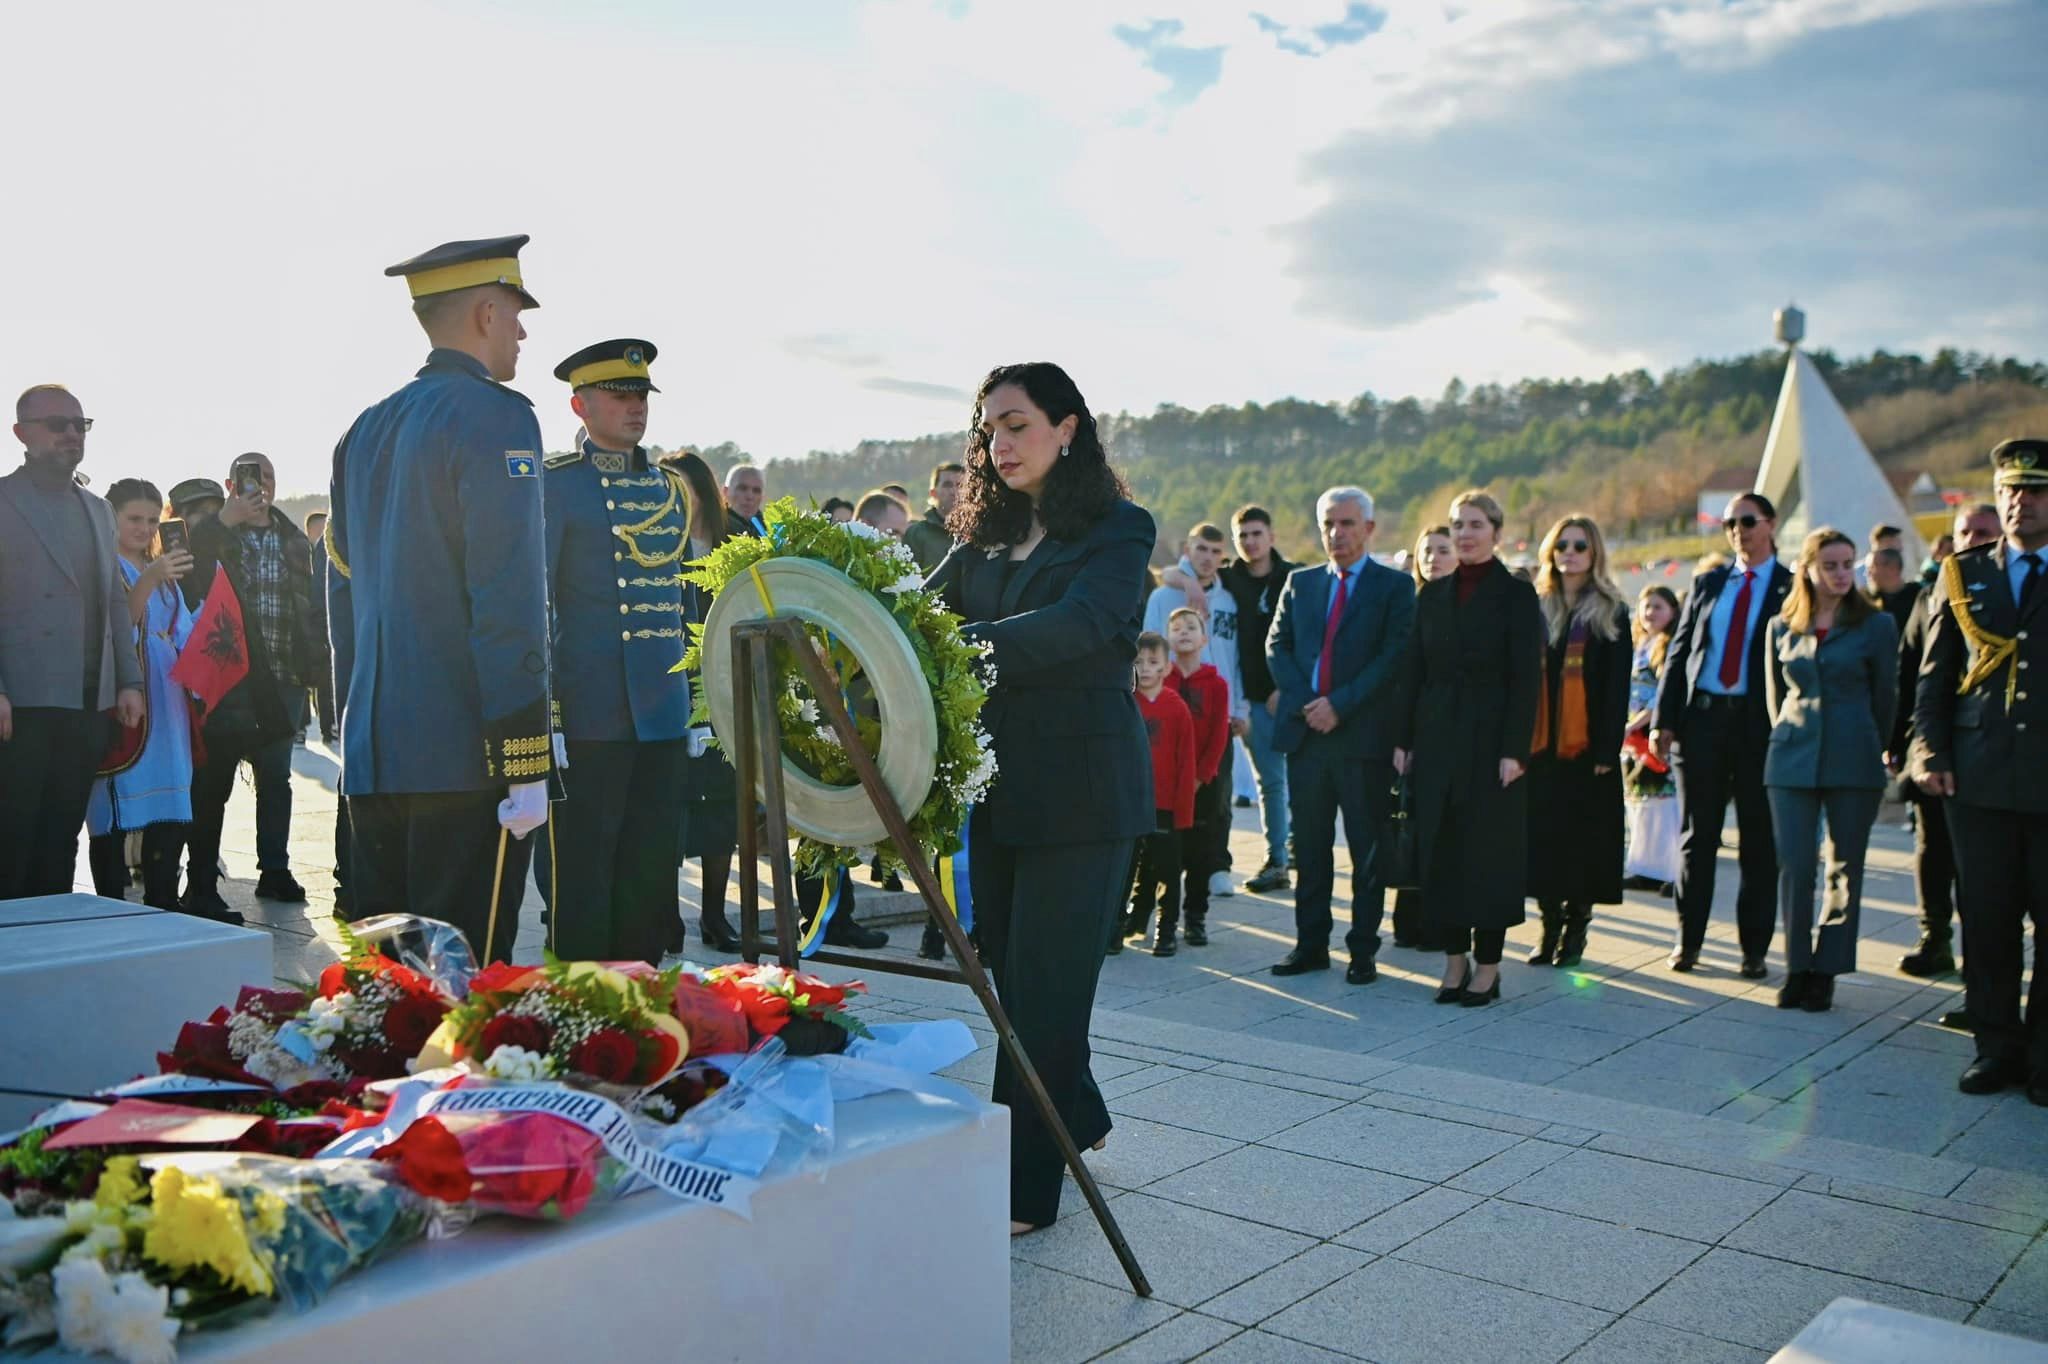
[[1337, 639], [1710, 706]]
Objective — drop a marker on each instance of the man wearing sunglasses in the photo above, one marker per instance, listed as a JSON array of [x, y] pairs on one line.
[[1710, 708], [67, 651]]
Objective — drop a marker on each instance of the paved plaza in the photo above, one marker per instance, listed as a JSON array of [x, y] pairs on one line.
[[1612, 1164]]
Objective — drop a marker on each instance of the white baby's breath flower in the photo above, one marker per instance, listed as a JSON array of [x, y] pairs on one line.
[[909, 582], [517, 1063]]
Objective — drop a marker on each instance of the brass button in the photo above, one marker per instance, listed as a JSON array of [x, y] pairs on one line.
[[604, 483], [2023, 634], [617, 557], [622, 581], [622, 608], [2019, 696], [619, 531], [608, 504], [625, 634]]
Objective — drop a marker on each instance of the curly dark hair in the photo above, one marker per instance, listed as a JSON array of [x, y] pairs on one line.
[[1079, 491]]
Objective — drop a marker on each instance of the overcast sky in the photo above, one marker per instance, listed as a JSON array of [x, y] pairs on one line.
[[832, 218]]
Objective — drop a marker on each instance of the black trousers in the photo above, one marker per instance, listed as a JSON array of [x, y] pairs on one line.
[[162, 845], [1204, 846], [1043, 915], [609, 854], [1321, 785], [46, 773], [2002, 861], [1934, 868], [436, 854], [344, 878], [323, 704], [1722, 759], [1155, 875], [1485, 944]]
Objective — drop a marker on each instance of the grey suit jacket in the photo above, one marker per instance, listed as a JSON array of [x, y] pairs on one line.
[[1831, 703], [42, 608]]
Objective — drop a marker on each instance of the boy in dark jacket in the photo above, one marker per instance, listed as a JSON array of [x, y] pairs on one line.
[[1207, 697], [1171, 730]]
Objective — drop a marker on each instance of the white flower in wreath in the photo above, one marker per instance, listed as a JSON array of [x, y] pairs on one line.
[[807, 711], [909, 582], [863, 530], [517, 1063], [826, 735]]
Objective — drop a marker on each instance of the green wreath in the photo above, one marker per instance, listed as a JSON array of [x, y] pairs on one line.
[[956, 675]]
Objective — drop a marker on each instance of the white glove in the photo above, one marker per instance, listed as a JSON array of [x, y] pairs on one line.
[[525, 808]]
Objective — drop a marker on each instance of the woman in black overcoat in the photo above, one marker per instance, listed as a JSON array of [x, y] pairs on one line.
[[1463, 719], [1577, 835], [1051, 572]]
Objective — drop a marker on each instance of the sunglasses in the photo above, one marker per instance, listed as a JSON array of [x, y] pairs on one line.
[[57, 426], [1573, 546], [1747, 521]]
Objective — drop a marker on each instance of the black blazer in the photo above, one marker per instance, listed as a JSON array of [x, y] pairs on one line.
[[1691, 646], [1073, 763], [1994, 736]]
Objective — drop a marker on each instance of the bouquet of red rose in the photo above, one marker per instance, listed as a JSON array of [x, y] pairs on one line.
[[521, 1164], [807, 1013], [370, 1017], [239, 1043], [565, 1020]]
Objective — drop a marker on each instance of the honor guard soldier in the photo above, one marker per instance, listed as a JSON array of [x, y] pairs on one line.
[[617, 539], [1981, 739], [441, 634]]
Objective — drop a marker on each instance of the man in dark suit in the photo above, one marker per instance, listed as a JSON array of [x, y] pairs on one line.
[[1981, 740], [1336, 642], [744, 493], [1710, 707], [67, 651]]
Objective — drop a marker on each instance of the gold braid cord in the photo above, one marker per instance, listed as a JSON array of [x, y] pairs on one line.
[[645, 558], [334, 547], [1993, 651]]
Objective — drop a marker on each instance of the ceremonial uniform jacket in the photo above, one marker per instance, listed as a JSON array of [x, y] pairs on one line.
[[617, 622], [436, 521], [1980, 712]]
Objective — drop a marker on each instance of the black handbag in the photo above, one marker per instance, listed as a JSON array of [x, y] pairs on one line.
[[1400, 849]]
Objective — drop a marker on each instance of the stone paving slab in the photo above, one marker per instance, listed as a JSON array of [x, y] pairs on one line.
[[1611, 1164]]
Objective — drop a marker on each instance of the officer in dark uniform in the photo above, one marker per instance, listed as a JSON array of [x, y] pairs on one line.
[[1981, 738], [618, 535], [441, 636]]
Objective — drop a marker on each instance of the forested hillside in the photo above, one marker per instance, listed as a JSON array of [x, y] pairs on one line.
[[1632, 449]]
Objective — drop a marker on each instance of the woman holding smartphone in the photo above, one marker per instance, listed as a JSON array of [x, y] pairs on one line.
[[1050, 574], [152, 795]]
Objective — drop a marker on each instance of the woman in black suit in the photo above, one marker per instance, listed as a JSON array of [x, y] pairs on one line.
[[1051, 572], [1464, 716], [1576, 827]]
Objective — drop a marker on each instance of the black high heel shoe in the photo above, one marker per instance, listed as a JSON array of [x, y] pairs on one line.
[[718, 933], [1453, 994], [1474, 999]]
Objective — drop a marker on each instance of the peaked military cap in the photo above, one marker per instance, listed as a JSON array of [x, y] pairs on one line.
[[2021, 463], [465, 265], [619, 365], [196, 490]]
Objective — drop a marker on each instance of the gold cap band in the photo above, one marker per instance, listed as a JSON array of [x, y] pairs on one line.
[[602, 370], [448, 278]]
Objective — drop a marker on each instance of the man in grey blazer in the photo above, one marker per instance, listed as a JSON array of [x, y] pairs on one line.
[[67, 645]]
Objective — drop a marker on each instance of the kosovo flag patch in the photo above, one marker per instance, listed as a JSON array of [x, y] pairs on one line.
[[520, 464]]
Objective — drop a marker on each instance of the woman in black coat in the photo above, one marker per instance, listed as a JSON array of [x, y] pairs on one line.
[[1051, 572], [1577, 836], [1463, 720]]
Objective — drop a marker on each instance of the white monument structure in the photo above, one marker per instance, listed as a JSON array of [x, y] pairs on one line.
[[1816, 469]]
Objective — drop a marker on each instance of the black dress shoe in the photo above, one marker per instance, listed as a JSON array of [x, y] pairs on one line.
[[1455, 994], [1792, 994], [1476, 999], [1959, 1019], [1684, 958], [2037, 1090], [1988, 1075], [1196, 933], [1753, 968], [1820, 993], [1300, 963], [1361, 971], [207, 904], [847, 932], [716, 932], [1931, 958], [1165, 944], [280, 886]]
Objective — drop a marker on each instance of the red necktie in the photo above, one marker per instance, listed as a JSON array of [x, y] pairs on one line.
[[1330, 631], [1738, 634]]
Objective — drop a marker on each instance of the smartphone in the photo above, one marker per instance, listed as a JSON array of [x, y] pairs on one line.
[[248, 475], [171, 535]]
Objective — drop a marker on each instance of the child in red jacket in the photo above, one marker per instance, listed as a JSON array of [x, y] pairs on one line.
[[1208, 700], [1172, 732]]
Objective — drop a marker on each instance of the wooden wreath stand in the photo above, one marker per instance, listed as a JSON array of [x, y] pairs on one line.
[[758, 757]]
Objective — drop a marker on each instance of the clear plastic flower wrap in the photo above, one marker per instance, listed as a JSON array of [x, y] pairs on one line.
[[435, 949]]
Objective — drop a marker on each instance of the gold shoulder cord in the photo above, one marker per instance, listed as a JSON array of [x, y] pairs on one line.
[[333, 549], [656, 560], [1993, 651]]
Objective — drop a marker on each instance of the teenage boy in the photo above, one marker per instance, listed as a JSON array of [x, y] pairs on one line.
[[1207, 697], [1170, 728]]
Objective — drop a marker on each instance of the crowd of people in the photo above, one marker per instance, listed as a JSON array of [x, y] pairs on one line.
[[1487, 737]]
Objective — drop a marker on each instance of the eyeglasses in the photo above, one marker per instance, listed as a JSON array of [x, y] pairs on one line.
[[57, 426], [1573, 546], [1747, 521]]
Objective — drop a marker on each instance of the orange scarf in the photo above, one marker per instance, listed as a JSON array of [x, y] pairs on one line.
[[1571, 722]]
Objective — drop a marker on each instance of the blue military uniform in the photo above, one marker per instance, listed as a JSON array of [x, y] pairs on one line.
[[617, 538], [440, 631]]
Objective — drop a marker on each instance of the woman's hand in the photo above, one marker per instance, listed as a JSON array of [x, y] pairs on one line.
[[1510, 772], [1402, 758], [169, 567]]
